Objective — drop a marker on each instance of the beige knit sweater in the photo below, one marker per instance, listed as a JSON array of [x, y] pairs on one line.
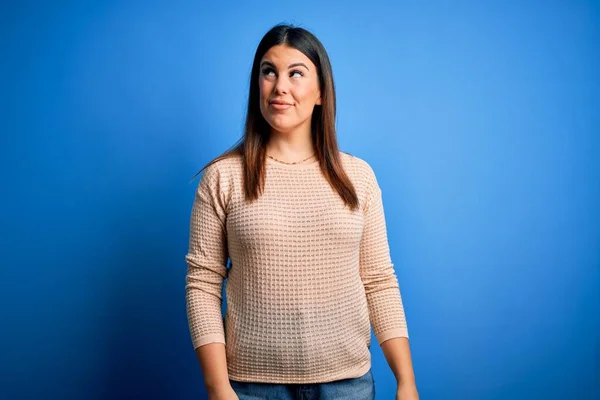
[[308, 277]]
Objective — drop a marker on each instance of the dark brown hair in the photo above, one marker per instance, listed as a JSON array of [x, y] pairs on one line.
[[252, 146]]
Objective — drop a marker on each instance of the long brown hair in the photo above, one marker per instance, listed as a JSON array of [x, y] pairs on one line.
[[252, 146]]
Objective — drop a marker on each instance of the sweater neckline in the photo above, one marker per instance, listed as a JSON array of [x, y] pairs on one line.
[[277, 164]]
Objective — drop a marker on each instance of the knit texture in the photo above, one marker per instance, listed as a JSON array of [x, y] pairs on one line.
[[308, 277]]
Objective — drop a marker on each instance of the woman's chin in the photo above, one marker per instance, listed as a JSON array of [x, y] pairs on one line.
[[282, 128]]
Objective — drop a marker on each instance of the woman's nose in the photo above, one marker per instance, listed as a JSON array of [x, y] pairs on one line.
[[282, 85]]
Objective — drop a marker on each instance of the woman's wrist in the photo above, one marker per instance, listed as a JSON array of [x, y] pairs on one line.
[[218, 388]]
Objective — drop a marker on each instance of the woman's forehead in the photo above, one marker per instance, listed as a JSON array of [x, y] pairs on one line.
[[286, 55]]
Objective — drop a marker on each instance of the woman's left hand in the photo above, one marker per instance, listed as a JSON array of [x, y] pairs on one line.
[[407, 391]]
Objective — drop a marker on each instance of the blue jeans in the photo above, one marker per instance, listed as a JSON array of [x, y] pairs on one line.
[[361, 388]]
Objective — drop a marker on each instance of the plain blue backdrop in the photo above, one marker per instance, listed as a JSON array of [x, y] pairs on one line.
[[480, 119]]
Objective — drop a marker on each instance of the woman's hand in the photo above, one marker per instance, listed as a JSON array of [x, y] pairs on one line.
[[407, 391], [224, 394]]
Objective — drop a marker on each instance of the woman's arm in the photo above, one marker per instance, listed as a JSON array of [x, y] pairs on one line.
[[397, 354], [214, 367], [383, 291], [207, 268]]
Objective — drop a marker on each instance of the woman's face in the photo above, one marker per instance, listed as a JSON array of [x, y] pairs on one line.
[[289, 89]]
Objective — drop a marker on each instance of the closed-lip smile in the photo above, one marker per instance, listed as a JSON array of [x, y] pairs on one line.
[[280, 102], [279, 105]]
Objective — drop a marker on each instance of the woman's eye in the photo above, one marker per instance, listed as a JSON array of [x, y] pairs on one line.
[[267, 71], [271, 72]]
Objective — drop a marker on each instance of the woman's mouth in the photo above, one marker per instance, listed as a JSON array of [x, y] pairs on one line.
[[278, 105]]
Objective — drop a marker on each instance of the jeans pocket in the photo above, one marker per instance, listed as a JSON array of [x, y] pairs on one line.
[[360, 388]]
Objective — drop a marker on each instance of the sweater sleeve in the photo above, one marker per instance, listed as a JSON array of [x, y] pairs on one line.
[[386, 310], [206, 260]]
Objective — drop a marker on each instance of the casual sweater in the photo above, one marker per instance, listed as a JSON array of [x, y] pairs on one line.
[[308, 276]]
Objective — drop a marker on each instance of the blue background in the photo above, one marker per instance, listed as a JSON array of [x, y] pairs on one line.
[[480, 119]]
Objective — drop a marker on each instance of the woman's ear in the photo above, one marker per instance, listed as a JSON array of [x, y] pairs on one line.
[[318, 102]]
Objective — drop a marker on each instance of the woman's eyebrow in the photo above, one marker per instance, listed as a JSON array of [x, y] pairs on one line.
[[298, 64]]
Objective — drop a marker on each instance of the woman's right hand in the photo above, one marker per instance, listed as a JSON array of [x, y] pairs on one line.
[[224, 394]]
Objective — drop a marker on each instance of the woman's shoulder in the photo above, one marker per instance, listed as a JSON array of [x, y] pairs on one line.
[[221, 172], [224, 165], [357, 166]]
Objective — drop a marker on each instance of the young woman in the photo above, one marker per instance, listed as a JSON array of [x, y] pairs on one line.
[[303, 226]]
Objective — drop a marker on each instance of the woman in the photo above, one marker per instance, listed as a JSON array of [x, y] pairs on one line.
[[303, 226]]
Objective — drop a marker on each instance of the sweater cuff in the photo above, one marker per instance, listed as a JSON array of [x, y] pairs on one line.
[[391, 334], [210, 338]]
